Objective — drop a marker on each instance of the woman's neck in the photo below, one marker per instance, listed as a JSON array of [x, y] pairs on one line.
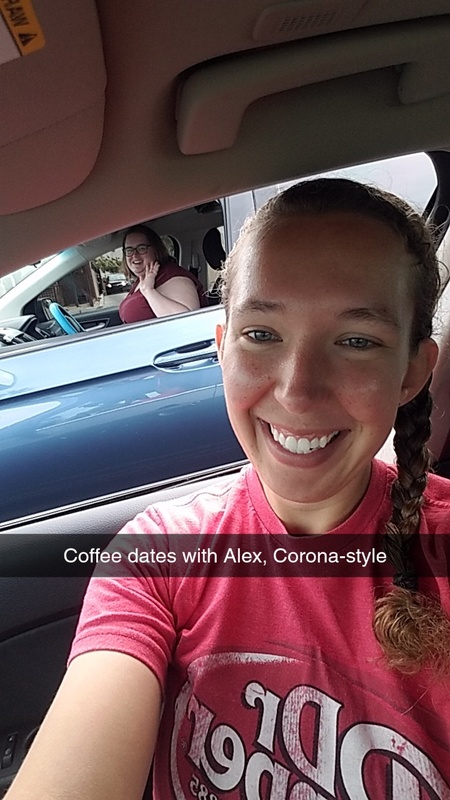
[[321, 516]]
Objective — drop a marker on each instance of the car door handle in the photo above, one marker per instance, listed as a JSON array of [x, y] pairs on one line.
[[95, 326], [187, 355]]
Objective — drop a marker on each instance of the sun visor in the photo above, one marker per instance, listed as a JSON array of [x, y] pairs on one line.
[[52, 87], [214, 97]]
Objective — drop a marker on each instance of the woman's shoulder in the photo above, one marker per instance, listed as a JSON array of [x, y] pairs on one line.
[[437, 486], [172, 270], [435, 510], [438, 492], [436, 505]]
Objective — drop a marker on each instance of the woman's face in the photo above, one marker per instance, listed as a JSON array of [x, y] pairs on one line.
[[316, 356], [137, 262]]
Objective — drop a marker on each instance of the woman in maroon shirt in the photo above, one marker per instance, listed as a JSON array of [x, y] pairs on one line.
[[161, 287]]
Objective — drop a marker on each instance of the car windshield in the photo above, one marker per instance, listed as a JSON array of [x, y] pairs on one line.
[[8, 282]]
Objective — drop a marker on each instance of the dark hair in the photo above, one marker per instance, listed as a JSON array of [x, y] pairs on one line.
[[155, 242], [411, 628]]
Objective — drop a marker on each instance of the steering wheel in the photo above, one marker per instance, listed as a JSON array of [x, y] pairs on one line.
[[65, 320]]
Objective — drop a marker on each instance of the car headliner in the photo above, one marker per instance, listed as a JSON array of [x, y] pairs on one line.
[[204, 98]]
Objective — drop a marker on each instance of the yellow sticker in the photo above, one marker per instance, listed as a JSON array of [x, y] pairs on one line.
[[23, 25]]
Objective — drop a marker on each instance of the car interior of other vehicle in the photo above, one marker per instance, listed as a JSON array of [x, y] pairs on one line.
[[119, 113]]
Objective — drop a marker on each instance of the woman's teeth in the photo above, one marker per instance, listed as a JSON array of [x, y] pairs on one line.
[[301, 445]]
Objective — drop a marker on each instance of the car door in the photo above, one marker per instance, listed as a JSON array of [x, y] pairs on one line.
[[96, 414]]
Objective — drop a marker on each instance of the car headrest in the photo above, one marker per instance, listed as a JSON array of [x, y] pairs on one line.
[[213, 249]]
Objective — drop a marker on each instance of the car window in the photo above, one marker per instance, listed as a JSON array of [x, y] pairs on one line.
[[86, 283], [77, 291], [93, 285], [412, 177], [14, 278], [147, 373]]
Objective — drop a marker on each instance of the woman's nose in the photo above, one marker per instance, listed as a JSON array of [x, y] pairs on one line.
[[302, 380]]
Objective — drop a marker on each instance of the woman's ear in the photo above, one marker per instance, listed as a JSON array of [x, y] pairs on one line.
[[420, 367], [220, 334]]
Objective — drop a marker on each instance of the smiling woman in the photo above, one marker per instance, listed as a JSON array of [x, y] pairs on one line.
[[261, 678], [147, 261], [333, 352], [345, 349]]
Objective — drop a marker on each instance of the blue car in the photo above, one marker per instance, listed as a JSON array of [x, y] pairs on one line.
[[87, 416]]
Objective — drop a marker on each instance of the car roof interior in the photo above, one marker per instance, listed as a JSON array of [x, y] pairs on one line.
[[128, 111]]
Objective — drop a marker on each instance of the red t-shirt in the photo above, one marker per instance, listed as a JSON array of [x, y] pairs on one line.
[[274, 686], [134, 306]]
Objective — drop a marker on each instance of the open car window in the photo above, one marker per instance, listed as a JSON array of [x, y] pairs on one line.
[[79, 279], [412, 177]]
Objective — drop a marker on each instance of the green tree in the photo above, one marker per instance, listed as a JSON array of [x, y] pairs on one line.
[[108, 262]]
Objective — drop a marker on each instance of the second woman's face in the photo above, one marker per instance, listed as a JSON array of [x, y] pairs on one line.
[[316, 354], [138, 262]]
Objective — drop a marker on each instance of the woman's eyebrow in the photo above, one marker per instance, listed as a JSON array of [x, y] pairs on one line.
[[377, 314], [253, 304]]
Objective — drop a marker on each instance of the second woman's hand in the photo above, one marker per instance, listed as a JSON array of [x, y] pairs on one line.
[[148, 278]]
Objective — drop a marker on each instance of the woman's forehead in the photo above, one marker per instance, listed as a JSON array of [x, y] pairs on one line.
[[309, 257], [348, 229], [136, 237], [335, 240]]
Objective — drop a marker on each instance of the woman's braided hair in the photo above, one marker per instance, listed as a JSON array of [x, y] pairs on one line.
[[411, 628]]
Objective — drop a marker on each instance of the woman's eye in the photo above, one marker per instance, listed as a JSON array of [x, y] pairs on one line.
[[358, 343], [260, 336]]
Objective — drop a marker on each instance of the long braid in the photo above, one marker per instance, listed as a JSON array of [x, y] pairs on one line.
[[412, 431], [411, 628]]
